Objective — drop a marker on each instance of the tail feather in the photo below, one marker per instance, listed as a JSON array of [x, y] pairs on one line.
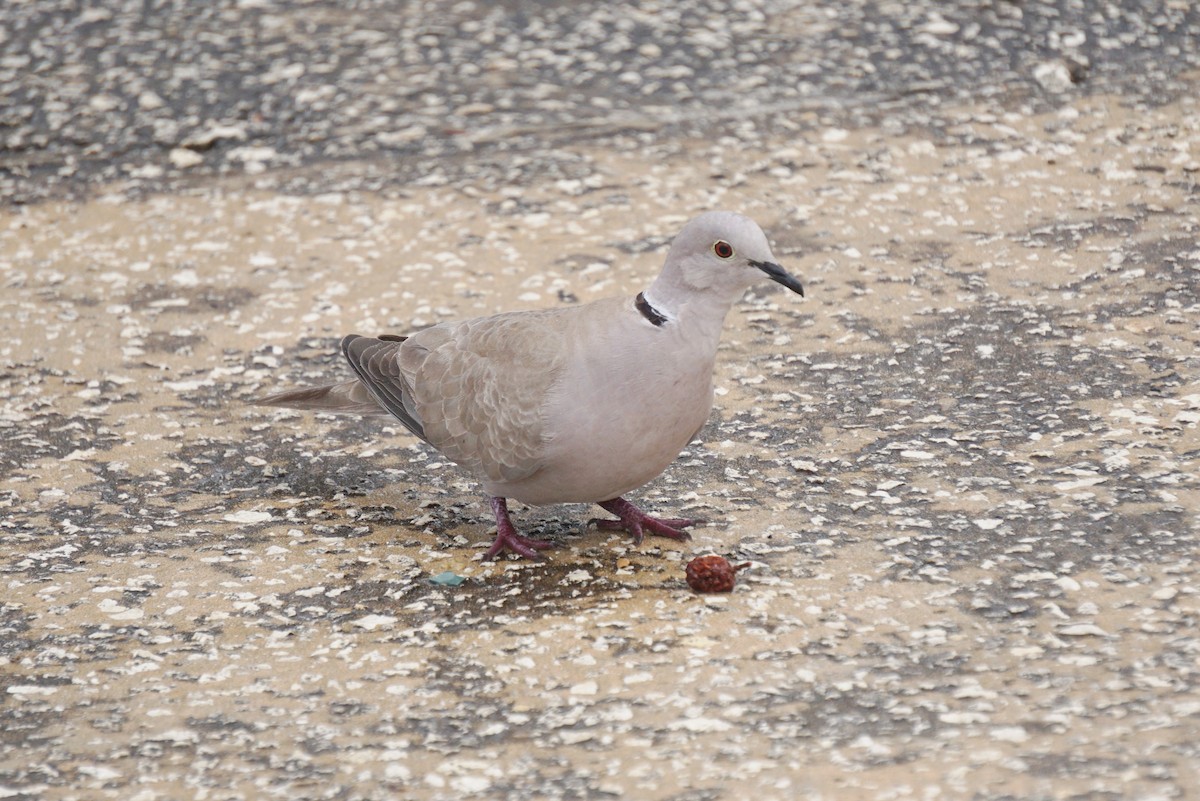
[[349, 397]]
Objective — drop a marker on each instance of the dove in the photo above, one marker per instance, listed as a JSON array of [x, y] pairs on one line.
[[577, 404]]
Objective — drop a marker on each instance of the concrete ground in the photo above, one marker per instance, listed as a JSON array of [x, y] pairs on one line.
[[966, 468]]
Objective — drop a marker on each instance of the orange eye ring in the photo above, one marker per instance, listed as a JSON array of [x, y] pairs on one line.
[[722, 249]]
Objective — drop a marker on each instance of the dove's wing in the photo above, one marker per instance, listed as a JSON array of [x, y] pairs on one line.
[[476, 390], [378, 367]]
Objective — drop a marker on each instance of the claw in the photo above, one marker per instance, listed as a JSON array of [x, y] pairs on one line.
[[508, 538], [638, 523]]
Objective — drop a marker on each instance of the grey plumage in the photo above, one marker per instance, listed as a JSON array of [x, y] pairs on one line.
[[575, 404]]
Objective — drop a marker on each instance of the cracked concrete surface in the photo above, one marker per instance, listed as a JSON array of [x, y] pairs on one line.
[[965, 470]]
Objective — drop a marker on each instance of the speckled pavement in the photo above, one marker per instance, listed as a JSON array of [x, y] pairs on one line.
[[966, 470]]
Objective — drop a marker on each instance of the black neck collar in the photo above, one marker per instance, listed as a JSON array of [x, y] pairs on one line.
[[649, 312]]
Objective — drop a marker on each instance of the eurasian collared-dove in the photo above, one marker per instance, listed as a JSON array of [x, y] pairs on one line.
[[575, 404]]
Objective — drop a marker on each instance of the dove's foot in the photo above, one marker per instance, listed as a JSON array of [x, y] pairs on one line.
[[639, 524], [509, 539]]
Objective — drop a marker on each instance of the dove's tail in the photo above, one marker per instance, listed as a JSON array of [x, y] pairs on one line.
[[349, 397]]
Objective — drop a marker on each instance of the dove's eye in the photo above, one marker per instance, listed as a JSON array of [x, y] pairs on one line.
[[723, 249]]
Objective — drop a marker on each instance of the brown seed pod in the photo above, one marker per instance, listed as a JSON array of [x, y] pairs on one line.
[[712, 573]]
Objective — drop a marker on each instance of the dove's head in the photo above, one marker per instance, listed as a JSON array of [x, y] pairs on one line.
[[718, 255]]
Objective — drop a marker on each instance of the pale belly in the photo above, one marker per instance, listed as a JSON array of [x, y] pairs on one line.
[[617, 439]]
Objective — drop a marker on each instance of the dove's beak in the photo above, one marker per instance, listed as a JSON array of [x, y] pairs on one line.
[[779, 275]]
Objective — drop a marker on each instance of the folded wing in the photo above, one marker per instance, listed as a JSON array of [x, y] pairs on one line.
[[476, 390]]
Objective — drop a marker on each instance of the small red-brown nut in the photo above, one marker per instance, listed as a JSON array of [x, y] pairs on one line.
[[712, 573]]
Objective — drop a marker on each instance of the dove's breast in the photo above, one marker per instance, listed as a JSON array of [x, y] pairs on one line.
[[630, 398]]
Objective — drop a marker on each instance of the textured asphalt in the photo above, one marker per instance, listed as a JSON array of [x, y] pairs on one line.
[[433, 92], [965, 468]]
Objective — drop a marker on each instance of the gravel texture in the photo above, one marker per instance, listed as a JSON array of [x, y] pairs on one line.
[[965, 470], [428, 92]]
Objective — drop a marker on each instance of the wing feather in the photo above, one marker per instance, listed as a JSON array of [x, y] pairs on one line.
[[481, 387], [476, 390], [379, 370]]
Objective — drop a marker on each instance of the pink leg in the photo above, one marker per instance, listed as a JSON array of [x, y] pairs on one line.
[[638, 523], [508, 538]]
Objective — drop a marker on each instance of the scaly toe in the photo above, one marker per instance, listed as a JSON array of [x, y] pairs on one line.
[[662, 529], [639, 527], [633, 527], [680, 522], [518, 544]]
